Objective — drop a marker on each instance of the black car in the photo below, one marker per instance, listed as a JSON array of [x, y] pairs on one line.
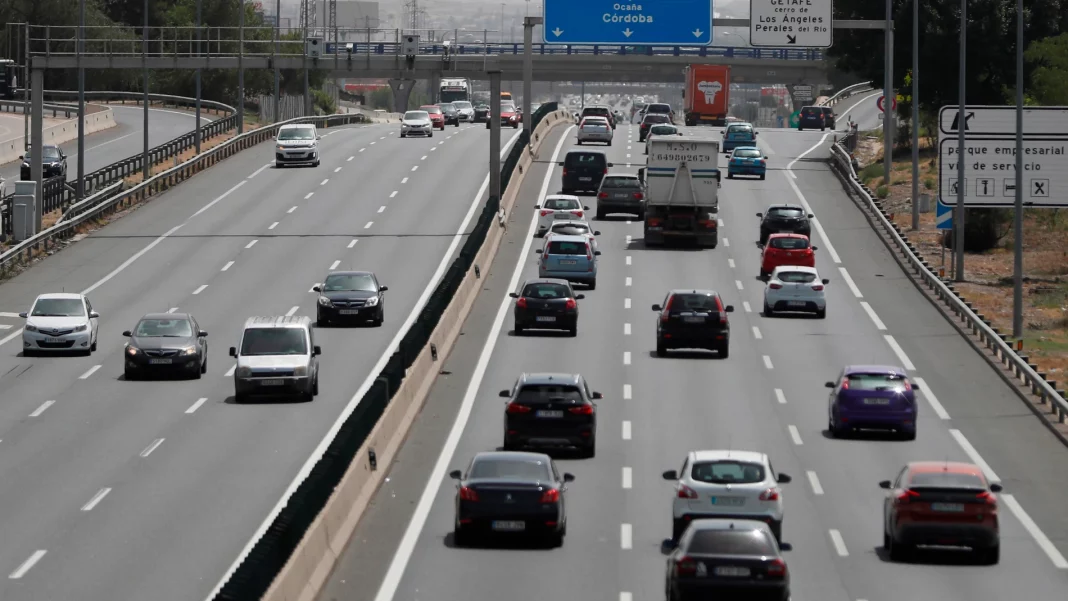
[[828, 116], [693, 319], [551, 411], [166, 343], [452, 115], [784, 219], [650, 120], [812, 117], [510, 493], [53, 163], [583, 171], [350, 296], [546, 304], [482, 112], [727, 559]]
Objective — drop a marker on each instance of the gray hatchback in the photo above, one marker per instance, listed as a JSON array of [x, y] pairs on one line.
[[621, 193]]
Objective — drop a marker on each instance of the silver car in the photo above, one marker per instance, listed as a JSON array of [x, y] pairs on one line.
[[297, 144], [60, 322], [416, 123], [595, 129], [277, 357], [465, 110]]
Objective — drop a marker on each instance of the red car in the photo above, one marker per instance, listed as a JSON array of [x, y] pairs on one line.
[[437, 118], [943, 503], [786, 249], [509, 116]]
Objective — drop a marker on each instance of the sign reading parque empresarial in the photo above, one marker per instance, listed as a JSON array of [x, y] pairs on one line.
[[791, 23], [648, 22]]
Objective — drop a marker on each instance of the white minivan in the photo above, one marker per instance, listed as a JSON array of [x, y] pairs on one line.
[[297, 144]]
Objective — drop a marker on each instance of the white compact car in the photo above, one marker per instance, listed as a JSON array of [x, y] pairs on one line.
[[593, 129], [297, 144], [575, 227], [465, 110], [727, 484], [416, 123], [795, 289], [559, 207], [60, 323]]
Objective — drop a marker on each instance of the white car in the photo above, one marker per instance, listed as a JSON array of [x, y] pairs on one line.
[[575, 227], [465, 110], [660, 129], [795, 289], [60, 322], [297, 144], [416, 123], [558, 207], [595, 129], [727, 484]]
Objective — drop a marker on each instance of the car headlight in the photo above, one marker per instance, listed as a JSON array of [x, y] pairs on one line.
[[300, 371], [325, 302], [30, 328], [80, 328], [189, 350], [243, 372], [405, 126], [371, 302], [280, 147], [132, 350]]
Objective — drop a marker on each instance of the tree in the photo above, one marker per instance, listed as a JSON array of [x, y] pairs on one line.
[[1049, 76]]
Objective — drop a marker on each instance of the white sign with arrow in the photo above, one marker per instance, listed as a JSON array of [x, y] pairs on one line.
[[791, 23]]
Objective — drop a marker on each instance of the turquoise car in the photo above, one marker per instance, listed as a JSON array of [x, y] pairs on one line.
[[739, 134], [747, 160]]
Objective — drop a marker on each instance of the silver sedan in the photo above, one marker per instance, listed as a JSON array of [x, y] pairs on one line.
[[595, 130]]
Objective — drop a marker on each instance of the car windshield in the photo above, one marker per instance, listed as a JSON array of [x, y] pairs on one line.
[[58, 307], [297, 133], [664, 130], [433, 110], [547, 392], [876, 382], [462, 104], [546, 290], [349, 282], [693, 302], [560, 204], [522, 469], [620, 182], [781, 213], [731, 542], [796, 277], [274, 341], [946, 479], [570, 229], [740, 129], [166, 328], [558, 247], [790, 243], [507, 107], [727, 472], [743, 153], [49, 154], [447, 108], [416, 115]]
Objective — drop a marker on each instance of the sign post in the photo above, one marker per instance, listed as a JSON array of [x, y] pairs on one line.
[[666, 23], [776, 23]]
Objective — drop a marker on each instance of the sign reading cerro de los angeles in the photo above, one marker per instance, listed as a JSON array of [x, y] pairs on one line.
[[649, 22], [791, 23]]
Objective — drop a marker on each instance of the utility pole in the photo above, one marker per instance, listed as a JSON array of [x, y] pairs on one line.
[[1017, 259], [915, 114], [146, 168], [277, 50], [962, 129], [196, 127], [528, 71], [888, 97], [240, 68], [80, 191], [306, 6]]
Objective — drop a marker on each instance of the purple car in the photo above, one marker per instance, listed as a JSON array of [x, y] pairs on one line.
[[872, 397]]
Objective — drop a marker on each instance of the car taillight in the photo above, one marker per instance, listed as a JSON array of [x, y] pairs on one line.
[[582, 410], [777, 567], [774, 286], [521, 303], [988, 497], [545, 212], [707, 223], [654, 221], [638, 196], [685, 492], [606, 170], [517, 408], [550, 496], [722, 313], [565, 171], [908, 386], [771, 494], [684, 566], [589, 253], [577, 213], [817, 287], [570, 304], [845, 384], [468, 494], [906, 496], [603, 195], [666, 313]]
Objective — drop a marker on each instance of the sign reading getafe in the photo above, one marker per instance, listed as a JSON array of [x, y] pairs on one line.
[[791, 23], [649, 22]]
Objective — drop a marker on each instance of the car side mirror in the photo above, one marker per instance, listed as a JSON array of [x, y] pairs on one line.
[[504, 394], [202, 333], [233, 351], [317, 350], [885, 484], [786, 547], [596, 253], [127, 334], [657, 308], [383, 288], [611, 164], [825, 281], [815, 248], [756, 133], [765, 157], [670, 475], [729, 309], [317, 288], [539, 251], [538, 206], [513, 294], [995, 487], [585, 208], [568, 477], [811, 216], [597, 233], [783, 479], [455, 474], [597, 395], [761, 215], [94, 315], [561, 163], [23, 315], [828, 384], [580, 296], [915, 386], [318, 137], [22, 158]]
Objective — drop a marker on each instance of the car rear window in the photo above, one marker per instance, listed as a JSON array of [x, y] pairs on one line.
[[811, 111], [789, 243], [561, 204], [727, 472], [595, 111], [570, 229], [620, 182], [664, 130], [876, 382], [694, 302], [524, 469], [731, 542], [740, 129], [785, 213], [946, 480], [533, 393], [546, 290], [558, 247], [796, 277], [659, 108], [585, 159], [657, 118], [433, 110], [747, 154]]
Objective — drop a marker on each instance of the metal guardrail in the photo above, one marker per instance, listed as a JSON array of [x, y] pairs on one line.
[[979, 326], [209, 106], [848, 91], [17, 106], [106, 202]]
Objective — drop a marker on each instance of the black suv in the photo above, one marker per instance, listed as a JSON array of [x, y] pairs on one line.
[[53, 163], [811, 117], [583, 171], [551, 410], [693, 319], [784, 219], [481, 113], [452, 116]]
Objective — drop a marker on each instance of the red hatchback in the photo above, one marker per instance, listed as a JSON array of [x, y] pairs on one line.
[[437, 118], [786, 249]]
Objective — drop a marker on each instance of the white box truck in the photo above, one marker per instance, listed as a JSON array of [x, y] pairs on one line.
[[682, 178]]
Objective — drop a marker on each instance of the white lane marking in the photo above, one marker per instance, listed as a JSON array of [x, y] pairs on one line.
[[404, 181], [726, 242], [373, 143], [309, 195], [628, 147], [422, 158], [352, 157], [152, 447], [875, 318], [628, 281], [795, 434], [368, 225], [89, 372], [629, 238], [625, 596], [628, 259], [228, 265], [382, 138], [202, 209], [628, 478], [626, 430], [720, 222], [361, 150], [974, 455], [97, 498], [422, 510], [780, 396], [415, 168], [192, 408], [172, 309], [626, 536], [730, 262], [291, 209], [767, 362], [6, 314], [839, 543], [337, 169], [334, 265], [901, 356], [626, 329], [745, 305], [849, 282], [254, 174], [382, 209], [41, 409], [251, 244], [626, 357], [292, 310], [273, 225], [928, 394], [5, 326], [230, 371], [627, 392], [626, 303], [353, 243], [200, 289], [757, 334], [628, 155], [1036, 533], [432, 149], [814, 482], [393, 194], [28, 564], [738, 284]]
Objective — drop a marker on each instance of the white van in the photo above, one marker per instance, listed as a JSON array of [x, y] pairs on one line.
[[297, 144], [277, 357]]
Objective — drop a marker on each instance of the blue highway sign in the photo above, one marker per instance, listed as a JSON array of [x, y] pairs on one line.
[[944, 216], [652, 22]]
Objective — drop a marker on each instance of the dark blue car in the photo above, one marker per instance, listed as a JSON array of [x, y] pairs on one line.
[[872, 397], [811, 117]]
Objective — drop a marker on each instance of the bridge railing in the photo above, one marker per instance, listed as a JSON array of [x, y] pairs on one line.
[[848, 91]]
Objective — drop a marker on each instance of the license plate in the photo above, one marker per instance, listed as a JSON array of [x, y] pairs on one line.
[[160, 361], [728, 501], [545, 318], [876, 401], [796, 303], [349, 311], [555, 413], [694, 319], [500, 526], [272, 382], [732, 571], [567, 262], [585, 179], [54, 340], [948, 507], [561, 215]]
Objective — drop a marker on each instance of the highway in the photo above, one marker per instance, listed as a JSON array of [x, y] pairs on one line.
[[768, 396], [151, 490]]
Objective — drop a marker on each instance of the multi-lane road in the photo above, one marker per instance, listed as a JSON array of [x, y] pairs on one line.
[[152, 490], [768, 396]]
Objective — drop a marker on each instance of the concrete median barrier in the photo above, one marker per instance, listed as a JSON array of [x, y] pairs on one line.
[[97, 118]]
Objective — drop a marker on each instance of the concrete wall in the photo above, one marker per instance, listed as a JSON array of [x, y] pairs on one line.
[[97, 118]]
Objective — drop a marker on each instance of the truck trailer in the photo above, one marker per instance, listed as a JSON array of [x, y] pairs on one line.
[[682, 182], [706, 94]]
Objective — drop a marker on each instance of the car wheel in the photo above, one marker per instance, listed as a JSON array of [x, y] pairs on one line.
[[661, 349], [306, 397], [92, 347], [776, 529], [377, 321], [677, 528], [573, 330], [204, 366], [591, 450], [899, 551], [601, 214], [278, 165], [761, 177], [460, 537], [240, 398], [990, 555], [321, 323], [578, 142], [128, 375], [516, 126], [764, 275], [402, 135], [823, 128], [519, 331], [430, 135], [556, 539], [730, 175], [821, 314], [724, 350], [592, 284], [909, 434], [799, 128], [609, 143], [197, 373], [768, 311], [315, 387], [28, 353]]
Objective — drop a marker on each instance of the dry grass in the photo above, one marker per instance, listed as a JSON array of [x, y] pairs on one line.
[[988, 284]]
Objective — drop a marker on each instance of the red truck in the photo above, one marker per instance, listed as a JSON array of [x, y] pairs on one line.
[[707, 90]]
